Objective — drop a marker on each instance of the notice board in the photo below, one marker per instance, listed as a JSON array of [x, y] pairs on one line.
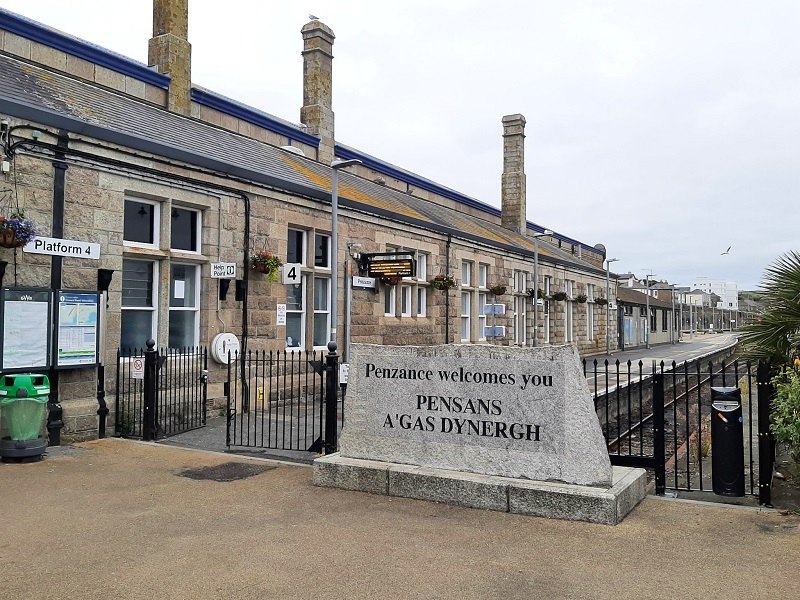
[[26, 329], [76, 332]]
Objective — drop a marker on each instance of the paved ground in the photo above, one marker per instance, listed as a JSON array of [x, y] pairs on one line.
[[114, 519]]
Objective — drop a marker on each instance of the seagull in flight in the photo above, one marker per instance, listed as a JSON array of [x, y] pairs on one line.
[[727, 251]]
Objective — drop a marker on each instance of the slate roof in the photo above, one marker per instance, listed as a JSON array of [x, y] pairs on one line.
[[631, 296], [30, 92]]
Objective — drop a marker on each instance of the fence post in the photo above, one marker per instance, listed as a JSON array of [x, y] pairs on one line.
[[766, 441], [658, 433], [331, 399], [150, 382]]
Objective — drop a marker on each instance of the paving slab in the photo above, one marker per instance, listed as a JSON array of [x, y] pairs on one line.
[[122, 519]]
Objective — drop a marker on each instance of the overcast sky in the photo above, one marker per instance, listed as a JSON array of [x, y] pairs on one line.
[[666, 130]]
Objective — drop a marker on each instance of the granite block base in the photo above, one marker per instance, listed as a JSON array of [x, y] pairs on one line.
[[548, 499]]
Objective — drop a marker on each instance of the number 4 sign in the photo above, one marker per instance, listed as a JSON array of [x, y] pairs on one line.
[[292, 273]]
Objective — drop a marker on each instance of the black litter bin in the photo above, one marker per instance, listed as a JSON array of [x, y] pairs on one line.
[[727, 444]]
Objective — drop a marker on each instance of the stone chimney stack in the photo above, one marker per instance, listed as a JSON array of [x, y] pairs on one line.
[[170, 52], [513, 181], [317, 111]]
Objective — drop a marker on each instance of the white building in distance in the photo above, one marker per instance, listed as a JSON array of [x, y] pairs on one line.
[[728, 291]]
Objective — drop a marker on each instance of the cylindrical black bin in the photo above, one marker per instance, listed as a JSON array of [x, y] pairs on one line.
[[727, 444]]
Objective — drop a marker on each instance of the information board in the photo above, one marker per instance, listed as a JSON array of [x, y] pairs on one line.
[[76, 338], [26, 329]]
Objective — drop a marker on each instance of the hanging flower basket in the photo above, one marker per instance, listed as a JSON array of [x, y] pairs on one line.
[[443, 282], [601, 301], [581, 298], [541, 293], [498, 289], [267, 263], [16, 230], [560, 296]]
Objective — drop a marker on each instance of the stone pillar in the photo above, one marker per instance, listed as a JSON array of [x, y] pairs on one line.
[[317, 111], [513, 181], [170, 52]]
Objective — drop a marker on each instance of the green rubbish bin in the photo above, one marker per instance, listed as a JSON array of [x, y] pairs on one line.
[[23, 404]]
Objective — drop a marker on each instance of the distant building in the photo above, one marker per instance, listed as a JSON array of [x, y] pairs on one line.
[[728, 291]]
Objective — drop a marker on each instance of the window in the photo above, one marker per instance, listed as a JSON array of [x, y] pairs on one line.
[[482, 316], [422, 301], [322, 248], [520, 302], [185, 230], [141, 223], [570, 311], [466, 273], [296, 247], [389, 300], [653, 319], [466, 305], [139, 310], [184, 305], [422, 267], [483, 275], [295, 315], [590, 321], [664, 320], [548, 284], [405, 301], [322, 311]]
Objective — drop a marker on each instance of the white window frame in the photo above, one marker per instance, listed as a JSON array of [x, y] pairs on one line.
[[301, 311], [195, 269], [520, 311], [328, 239], [322, 313], [466, 273], [156, 225], [153, 308], [304, 245], [390, 300], [422, 301], [483, 276], [405, 300], [548, 286], [466, 309], [482, 296], [422, 266], [198, 232]]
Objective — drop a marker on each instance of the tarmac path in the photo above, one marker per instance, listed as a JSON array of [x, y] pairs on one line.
[[115, 519]]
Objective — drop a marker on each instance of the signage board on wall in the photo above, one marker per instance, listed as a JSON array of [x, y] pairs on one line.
[[76, 332], [223, 270], [281, 315], [59, 247], [26, 329]]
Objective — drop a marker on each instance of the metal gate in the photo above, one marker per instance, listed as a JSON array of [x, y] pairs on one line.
[[160, 393], [659, 418], [286, 400]]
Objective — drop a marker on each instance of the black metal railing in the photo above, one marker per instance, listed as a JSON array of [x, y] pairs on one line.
[[658, 416], [160, 393], [277, 400]]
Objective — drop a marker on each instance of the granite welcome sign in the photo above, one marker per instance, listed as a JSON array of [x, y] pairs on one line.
[[505, 411]]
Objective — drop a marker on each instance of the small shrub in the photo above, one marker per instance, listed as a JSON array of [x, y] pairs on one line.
[[785, 416]]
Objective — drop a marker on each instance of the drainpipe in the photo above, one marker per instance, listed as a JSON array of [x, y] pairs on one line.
[[447, 292], [55, 414]]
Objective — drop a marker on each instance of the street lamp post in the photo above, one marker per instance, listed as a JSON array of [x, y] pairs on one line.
[[335, 166], [647, 311], [608, 305], [536, 284]]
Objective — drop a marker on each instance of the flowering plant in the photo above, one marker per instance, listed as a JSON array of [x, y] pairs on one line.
[[601, 301], [581, 298], [560, 296], [498, 289], [16, 230], [443, 282], [264, 261], [541, 293]]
